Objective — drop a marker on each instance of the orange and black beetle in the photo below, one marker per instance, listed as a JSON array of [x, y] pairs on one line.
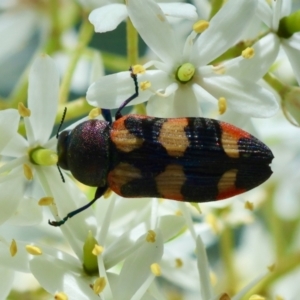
[[184, 159]]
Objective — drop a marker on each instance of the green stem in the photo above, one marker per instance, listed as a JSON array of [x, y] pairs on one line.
[[227, 247], [284, 266], [276, 84], [132, 43], [289, 25], [53, 43], [215, 7], [85, 34]]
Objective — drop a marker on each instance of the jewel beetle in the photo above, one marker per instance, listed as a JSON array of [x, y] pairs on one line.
[[184, 159]]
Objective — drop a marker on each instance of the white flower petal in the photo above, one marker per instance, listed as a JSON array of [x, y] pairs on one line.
[[59, 278], [12, 189], [112, 90], [43, 97], [136, 268], [9, 122], [160, 107], [266, 51], [203, 269], [68, 197], [21, 23], [264, 12], [19, 262], [179, 10], [243, 96], [170, 226], [292, 49], [152, 25], [225, 29], [203, 95], [108, 17], [186, 104], [6, 282], [28, 213], [17, 146]]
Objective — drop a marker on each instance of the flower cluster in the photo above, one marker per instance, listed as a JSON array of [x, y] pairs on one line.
[[207, 59]]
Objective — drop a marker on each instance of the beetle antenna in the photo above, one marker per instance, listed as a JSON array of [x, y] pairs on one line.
[[61, 122], [61, 174], [99, 192], [135, 95]]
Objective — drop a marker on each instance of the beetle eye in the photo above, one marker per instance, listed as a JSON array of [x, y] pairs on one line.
[[62, 149]]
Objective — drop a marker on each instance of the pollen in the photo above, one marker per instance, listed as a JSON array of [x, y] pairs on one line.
[[271, 268], [151, 236], [257, 297], [155, 269], [97, 250], [27, 172], [138, 69], [178, 262], [200, 26], [46, 201], [145, 85], [185, 72], [33, 250], [224, 296], [99, 285], [95, 112], [13, 249], [60, 296], [178, 212], [212, 221], [248, 53], [222, 104], [107, 193], [23, 110], [249, 205]]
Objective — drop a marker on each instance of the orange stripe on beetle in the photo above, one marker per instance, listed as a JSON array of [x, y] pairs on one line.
[[170, 182], [173, 138], [226, 185], [230, 138], [122, 138]]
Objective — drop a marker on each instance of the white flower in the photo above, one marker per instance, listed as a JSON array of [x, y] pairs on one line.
[[21, 20], [271, 16], [108, 16], [121, 229], [170, 96], [21, 165]]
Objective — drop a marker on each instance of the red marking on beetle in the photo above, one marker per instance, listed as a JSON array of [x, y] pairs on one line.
[[236, 132], [230, 192]]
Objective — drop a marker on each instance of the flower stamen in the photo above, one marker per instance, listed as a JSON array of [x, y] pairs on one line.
[[23, 110], [46, 201], [151, 236], [222, 104], [99, 285], [13, 249], [200, 26], [95, 112], [60, 296], [138, 69], [27, 172], [155, 269], [248, 53], [144, 85], [33, 250]]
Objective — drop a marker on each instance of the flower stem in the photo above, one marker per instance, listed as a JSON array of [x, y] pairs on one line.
[[227, 247], [132, 43], [85, 34]]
